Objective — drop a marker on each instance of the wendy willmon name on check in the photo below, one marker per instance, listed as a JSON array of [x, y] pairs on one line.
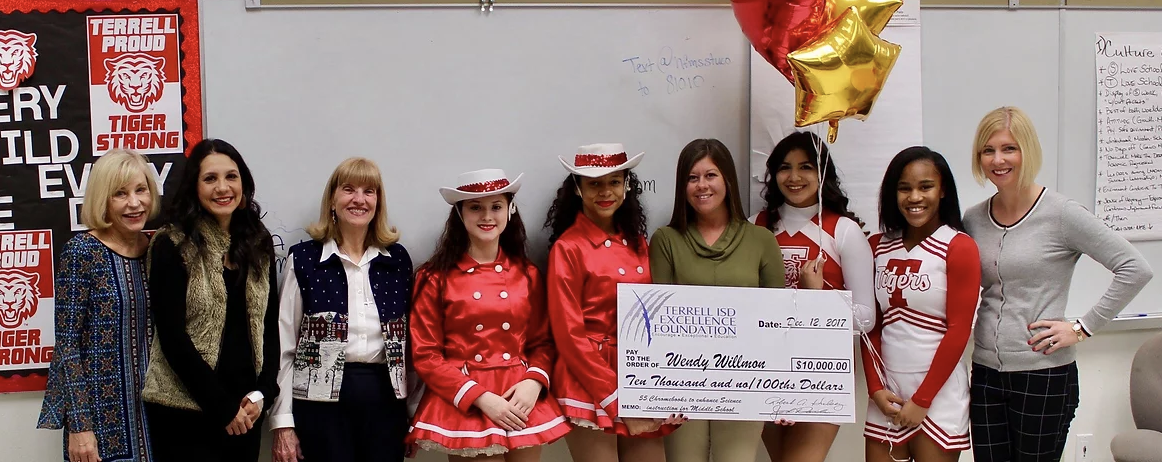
[[735, 353]]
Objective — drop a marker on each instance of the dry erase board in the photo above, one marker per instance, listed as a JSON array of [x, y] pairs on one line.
[[430, 93], [972, 63], [1078, 154]]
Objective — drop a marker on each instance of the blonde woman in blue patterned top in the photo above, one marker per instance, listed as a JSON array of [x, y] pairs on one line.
[[102, 325]]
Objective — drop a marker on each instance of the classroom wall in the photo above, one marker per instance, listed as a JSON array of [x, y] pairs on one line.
[[950, 116]]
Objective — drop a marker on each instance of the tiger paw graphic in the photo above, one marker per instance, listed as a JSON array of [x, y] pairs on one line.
[[17, 58], [135, 80]]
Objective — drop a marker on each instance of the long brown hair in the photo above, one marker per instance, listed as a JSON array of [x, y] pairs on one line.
[[834, 198], [694, 152], [454, 243]]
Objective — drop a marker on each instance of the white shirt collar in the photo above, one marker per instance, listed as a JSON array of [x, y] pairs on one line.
[[332, 248], [794, 218]]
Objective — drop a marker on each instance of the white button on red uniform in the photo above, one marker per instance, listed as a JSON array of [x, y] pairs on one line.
[[466, 325], [584, 270], [479, 327]]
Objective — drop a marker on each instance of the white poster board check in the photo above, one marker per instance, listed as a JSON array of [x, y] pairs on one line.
[[731, 353]]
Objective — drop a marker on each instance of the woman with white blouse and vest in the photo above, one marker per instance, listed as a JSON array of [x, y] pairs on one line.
[[480, 334], [826, 250], [598, 240], [1024, 376], [343, 324]]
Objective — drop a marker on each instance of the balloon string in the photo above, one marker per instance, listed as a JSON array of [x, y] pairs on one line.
[[822, 165], [889, 384], [877, 361]]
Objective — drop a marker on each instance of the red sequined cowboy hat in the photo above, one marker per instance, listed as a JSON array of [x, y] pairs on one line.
[[595, 160], [480, 183]]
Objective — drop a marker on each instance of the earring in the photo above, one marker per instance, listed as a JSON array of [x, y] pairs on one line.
[[334, 219], [511, 209], [628, 187]]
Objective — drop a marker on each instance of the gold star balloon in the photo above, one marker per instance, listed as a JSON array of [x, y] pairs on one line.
[[876, 13], [840, 73]]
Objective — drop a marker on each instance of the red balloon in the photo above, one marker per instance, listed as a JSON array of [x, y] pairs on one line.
[[778, 27]]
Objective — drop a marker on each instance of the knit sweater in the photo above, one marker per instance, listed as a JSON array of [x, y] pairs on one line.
[[1029, 280], [744, 256]]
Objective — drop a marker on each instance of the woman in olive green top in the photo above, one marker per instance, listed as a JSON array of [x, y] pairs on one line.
[[710, 242]]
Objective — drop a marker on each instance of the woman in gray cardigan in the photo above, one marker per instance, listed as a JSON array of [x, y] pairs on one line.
[[1024, 386]]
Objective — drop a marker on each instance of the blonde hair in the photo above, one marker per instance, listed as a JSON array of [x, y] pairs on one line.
[[356, 171], [1021, 127], [112, 171]]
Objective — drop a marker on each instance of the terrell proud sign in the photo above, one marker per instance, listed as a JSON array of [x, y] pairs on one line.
[[78, 78]]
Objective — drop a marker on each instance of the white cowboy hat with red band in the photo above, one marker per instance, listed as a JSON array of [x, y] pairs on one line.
[[480, 183], [595, 160]]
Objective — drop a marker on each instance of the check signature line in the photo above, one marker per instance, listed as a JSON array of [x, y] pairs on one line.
[[803, 413], [720, 390]]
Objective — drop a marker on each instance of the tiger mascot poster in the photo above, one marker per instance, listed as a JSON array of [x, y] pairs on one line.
[[78, 78]]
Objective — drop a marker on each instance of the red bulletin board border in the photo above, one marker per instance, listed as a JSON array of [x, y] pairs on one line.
[[191, 65], [191, 82]]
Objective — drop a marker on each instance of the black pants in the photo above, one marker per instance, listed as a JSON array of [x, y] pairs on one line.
[[368, 424], [1022, 416], [178, 435]]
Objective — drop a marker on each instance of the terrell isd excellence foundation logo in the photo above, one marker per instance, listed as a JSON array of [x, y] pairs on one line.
[[652, 316]]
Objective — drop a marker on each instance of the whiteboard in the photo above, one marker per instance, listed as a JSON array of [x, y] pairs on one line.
[[968, 66], [971, 64], [431, 93], [1078, 147]]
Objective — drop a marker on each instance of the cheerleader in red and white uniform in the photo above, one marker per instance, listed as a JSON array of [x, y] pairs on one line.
[[927, 288], [598, 240], [792, 200], [480, 335]]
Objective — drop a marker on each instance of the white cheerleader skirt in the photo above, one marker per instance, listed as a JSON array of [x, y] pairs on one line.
[[947, 419]]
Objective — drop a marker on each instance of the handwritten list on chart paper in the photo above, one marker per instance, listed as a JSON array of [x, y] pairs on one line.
[[1129, 133]]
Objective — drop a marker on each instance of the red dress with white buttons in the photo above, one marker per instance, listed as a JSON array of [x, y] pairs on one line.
[[480, 328], [585, 266]]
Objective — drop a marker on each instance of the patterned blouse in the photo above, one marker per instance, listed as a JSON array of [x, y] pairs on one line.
[[102, 345]]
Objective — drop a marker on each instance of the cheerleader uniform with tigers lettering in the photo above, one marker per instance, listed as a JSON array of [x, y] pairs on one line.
[[926, 297]]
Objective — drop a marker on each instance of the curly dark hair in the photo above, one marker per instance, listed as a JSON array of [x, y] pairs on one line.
[[250, 242], [630, 217], [834, 198], [454, 242]]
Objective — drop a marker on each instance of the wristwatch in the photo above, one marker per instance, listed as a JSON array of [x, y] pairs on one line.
[[1079, 331]]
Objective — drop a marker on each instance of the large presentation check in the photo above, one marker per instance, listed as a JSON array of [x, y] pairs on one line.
[[731, 353]]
